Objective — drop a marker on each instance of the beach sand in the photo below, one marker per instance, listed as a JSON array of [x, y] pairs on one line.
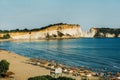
[[18, 65]]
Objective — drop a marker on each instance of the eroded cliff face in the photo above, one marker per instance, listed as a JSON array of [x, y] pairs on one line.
[[119, 35], [90, 34], [61, 31], [102, 32], [107, 32], [52, 32]]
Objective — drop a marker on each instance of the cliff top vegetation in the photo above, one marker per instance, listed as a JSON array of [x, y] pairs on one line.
[[36, 29], [115, 31]]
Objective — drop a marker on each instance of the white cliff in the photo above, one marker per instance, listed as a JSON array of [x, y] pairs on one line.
[[110, 35], [119, 35], [62, 31], [54, 31], [89, 34]]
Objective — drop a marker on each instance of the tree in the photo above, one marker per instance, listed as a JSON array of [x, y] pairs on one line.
[[4, 66], [17, 30], [6, 36], [25, 30]]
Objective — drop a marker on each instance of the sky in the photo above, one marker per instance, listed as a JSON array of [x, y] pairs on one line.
[[39, 13]]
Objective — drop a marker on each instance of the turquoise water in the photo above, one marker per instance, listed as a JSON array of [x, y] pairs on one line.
[[94, 53]]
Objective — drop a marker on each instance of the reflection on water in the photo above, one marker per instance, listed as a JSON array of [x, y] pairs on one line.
[[100, 53]]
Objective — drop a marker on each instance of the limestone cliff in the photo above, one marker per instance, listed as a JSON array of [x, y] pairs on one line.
[[55, 31], [107, 32], [102, 32], [90, 34]]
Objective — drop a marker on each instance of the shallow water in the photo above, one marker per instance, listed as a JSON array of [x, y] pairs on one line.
[[94, 53]]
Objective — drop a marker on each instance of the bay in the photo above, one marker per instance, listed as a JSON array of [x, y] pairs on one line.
[[94, 53]]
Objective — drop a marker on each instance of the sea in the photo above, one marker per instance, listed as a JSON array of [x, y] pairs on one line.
[[98, 54]]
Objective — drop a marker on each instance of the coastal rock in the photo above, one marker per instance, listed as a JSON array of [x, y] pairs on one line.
[[55, 31], [90, 34], [18, 35], [110, 35], [59, 31], [119, 35], [107, 32]]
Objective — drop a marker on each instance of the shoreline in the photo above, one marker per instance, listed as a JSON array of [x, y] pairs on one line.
[[29, 70], [45, 39], [23, 69], [18, 65]]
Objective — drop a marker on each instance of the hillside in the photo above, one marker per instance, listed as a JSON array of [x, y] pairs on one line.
[[54, 31], [107, 32]]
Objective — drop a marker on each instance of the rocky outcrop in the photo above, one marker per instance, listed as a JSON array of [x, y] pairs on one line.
[[59, 31], [102, 32], [107, 32], [90, 34], [109, 35], [119, 35], [56, 31], [20, 35]]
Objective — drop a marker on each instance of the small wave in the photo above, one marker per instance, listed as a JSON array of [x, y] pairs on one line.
[[116, 67]]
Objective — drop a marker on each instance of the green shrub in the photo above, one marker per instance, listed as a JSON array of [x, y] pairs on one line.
[[107, 30], [47, 77], [6, 36], [65, 78], [4, 66], [38, 78]]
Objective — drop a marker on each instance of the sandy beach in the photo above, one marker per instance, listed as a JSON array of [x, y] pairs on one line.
[[18, 65]]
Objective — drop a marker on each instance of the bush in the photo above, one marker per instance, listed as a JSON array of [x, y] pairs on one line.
[[38, 78], [65, 78], [6, 36], [4, 66], [49, 78], [107, 30]]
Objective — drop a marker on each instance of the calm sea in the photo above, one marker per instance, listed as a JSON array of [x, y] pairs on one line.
[[94, 53]]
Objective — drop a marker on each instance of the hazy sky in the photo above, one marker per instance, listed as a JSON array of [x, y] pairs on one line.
[[38, 13]]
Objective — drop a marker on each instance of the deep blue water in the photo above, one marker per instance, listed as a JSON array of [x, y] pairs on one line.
[[98, 53]]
